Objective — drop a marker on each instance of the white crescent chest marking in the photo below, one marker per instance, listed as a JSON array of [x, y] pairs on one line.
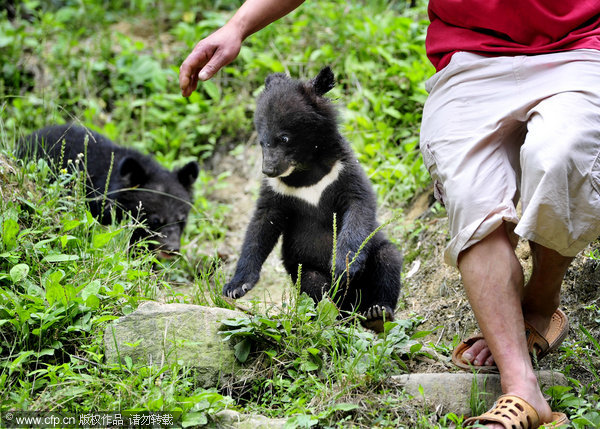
[[311, 194]]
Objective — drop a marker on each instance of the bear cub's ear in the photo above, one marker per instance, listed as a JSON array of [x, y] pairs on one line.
[[132, 172], [272, 78], [324, 81], [188, 174]]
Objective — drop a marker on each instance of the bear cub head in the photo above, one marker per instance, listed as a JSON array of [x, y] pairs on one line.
[[160, 199], [297, 125], [120, 179]]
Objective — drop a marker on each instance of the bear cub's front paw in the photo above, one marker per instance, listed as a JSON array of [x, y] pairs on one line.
[[237, 289]]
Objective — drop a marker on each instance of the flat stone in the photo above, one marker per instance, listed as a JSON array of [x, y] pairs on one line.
[[455, 392], [233, 419], [160, 334]]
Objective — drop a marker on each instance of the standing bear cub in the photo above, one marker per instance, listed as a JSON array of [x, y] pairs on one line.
[[158, 198], [312, 174]]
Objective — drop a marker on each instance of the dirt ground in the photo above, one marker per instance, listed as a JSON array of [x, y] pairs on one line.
[[431, 289]]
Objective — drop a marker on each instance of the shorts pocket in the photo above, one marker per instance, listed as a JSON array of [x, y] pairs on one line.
[[430, 163], [595, 174], [428, 158]]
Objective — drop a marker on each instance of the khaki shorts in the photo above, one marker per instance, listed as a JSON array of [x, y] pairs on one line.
[[498, 129]]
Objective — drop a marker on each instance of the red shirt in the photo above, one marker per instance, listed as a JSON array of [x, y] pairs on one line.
[[510, 27]]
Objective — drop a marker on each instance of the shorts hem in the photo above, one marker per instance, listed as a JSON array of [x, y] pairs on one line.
[[465, 238], [570, 251]]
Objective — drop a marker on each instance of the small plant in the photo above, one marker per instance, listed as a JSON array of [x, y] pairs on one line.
[[594, 254], [581, 400], [477, 400]]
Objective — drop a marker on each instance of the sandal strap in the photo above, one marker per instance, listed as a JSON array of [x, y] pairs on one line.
[[536, 343], [510, 411]]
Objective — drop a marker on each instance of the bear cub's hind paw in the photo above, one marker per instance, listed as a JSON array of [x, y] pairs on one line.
[[375, 315]]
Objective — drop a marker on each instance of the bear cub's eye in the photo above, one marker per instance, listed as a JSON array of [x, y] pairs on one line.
[[154, 222], [284, 139]]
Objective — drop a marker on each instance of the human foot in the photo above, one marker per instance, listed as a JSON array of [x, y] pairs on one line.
[[541, 294], [474, 352]]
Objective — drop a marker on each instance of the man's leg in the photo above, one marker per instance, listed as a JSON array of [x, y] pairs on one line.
[[493, 280], [549, 269]]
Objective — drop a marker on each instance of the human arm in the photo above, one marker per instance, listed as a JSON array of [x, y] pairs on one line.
[[223, 46]]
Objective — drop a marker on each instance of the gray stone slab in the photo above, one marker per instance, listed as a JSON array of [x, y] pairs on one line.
[[455, 392], [229, 419], [161, 334]]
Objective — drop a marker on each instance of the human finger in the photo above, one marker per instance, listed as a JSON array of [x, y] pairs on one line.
[[222, 56], [191, 66]]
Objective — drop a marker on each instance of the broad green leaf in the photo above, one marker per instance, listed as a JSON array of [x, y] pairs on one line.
[[128, 362], [68, 225], [327, 311], [91, 289], [89, 218], [19, 272], [61, 257], [92, 301], [309, 366], [420, 334], [301, 421], [416, 347], [20, 360], [54, 290], [106, 318], [345, 407], [242, 349], [10, 229], [212, 90], [102, 239], [194, 419]]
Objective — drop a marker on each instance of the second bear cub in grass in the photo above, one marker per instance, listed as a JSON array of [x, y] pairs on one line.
[[123, 178], [312, 173]]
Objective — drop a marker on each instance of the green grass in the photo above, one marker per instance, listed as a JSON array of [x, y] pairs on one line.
[[112, 66], [64, 277]]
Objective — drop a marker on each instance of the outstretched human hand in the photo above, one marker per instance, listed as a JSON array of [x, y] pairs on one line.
[[209, 56], [221, 47]]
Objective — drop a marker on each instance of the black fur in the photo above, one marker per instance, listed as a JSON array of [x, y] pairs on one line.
[[138, 185], [297, 130]]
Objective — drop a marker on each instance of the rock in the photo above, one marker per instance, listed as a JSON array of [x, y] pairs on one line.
[[451, 392], [159, 334], [234, 420]]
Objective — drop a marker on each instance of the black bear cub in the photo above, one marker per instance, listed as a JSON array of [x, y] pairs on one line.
[[137, 185], [312, 173]]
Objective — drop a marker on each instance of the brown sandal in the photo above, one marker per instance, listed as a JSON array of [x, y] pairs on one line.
[[538, 345], [514, 412]]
